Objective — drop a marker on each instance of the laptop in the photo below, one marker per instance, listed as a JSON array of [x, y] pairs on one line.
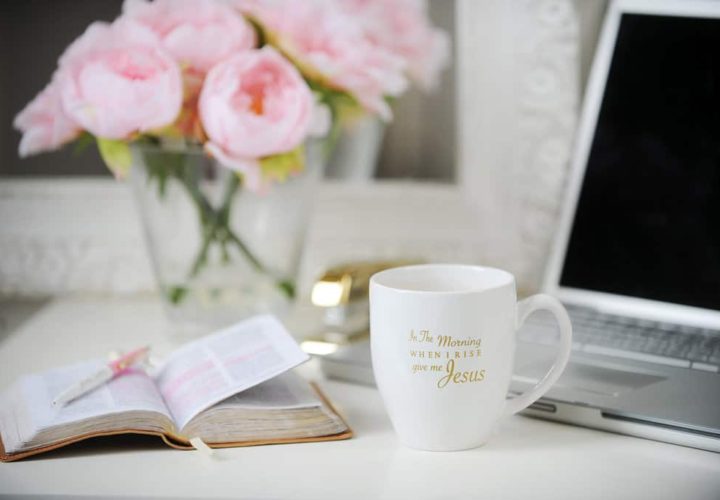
[[636, 259]]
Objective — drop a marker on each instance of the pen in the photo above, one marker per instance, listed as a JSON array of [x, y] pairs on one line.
[[103, 375]]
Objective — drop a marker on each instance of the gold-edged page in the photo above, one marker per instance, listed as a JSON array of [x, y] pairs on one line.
[[284, 407], [28, 418]]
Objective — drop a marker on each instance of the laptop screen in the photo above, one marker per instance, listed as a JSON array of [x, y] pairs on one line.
[[647, 222]]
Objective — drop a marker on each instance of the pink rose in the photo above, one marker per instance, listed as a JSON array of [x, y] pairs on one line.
[[198, 34], [44, 124], [116, 79], [254, 104], [331, 46], [403, 28]]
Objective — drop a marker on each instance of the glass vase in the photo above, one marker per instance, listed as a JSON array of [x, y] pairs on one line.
[[356, 149], [220, 252]]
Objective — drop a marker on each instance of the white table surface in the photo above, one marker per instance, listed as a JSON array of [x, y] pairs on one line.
[[526, 458]]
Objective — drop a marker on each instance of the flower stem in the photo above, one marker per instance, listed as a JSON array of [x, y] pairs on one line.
[[216, 228], [207, 218], [224, 223]]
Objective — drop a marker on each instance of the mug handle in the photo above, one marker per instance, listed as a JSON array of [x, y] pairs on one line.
[[525, 308]]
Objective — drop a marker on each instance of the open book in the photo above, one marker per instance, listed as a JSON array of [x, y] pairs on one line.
[[231, 388]]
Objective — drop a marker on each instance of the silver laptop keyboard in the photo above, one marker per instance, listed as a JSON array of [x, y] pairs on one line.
[[632, 338]]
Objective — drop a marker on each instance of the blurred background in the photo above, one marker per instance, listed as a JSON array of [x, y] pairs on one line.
[[420, 143], [486, 154]]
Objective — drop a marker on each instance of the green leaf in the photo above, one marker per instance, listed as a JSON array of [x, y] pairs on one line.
[[259, 30], [279, 167], [162, 165], [176, 294], [287, 287], [82, 142], [116, 155], [343, 104]]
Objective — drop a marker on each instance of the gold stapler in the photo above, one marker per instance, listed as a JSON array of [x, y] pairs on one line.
[[342, 292]]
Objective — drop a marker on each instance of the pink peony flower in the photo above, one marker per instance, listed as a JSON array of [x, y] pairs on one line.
[[44, 124], [199, 34], [254, 104], [249, 7], [403, 28], [331, 46], [116, 79]]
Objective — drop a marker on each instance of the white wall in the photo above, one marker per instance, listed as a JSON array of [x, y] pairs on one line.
[[521, 64]]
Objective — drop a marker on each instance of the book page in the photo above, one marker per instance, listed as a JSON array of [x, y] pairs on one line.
[[288, 391], [213, 368], [28, 407], [133, 390]]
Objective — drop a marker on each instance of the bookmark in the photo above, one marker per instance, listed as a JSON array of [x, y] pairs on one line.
[[200, 446]]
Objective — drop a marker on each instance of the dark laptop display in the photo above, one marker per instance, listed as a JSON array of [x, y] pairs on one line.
[[648, 217]]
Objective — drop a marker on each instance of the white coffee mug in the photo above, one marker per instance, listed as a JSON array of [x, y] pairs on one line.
[[443, 342]]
